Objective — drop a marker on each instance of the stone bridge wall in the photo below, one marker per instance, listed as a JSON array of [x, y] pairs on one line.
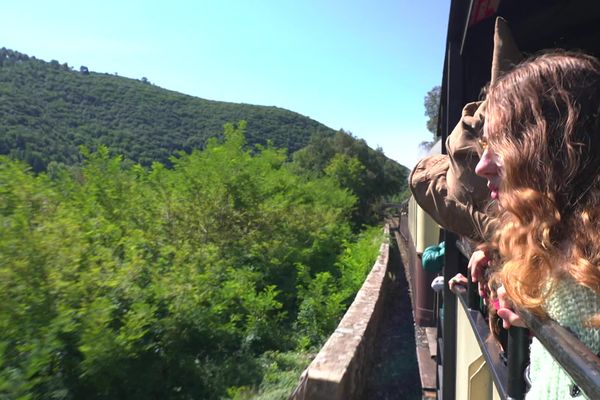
[[340, 369]]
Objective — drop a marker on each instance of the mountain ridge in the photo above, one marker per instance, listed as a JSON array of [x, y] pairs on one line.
[[48, 109]]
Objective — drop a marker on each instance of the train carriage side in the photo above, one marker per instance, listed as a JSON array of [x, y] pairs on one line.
[[469, 365]]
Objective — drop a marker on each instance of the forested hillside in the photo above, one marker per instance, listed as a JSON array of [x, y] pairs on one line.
[[47, 110], [145, 254]]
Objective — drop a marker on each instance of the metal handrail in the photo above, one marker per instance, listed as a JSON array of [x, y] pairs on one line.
[[574, 356]]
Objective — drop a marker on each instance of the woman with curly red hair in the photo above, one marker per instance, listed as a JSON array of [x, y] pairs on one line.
[[542, 161]]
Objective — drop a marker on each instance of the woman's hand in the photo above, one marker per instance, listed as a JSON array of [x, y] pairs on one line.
[[505, 311], [478, 262], [459, 279]]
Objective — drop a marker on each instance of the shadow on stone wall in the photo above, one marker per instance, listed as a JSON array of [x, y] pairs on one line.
[[371, 354]]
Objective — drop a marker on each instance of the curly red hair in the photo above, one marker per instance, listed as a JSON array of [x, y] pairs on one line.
[[543, 120]]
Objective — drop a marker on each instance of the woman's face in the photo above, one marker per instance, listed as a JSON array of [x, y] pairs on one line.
[[491, 168]]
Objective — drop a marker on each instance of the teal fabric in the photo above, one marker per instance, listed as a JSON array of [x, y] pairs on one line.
[[433, 258]]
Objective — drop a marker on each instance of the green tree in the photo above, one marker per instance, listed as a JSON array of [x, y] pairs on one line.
[[432, 110], [348, 171], [367, 173]]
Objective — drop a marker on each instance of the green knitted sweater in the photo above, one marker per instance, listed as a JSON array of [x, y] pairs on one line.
[[570, 305]]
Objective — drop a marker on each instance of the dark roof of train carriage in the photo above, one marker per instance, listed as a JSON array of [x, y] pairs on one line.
[[535, 24]]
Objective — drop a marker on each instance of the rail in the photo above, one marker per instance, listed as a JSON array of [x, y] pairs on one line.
[[507, 370], [572, 355]]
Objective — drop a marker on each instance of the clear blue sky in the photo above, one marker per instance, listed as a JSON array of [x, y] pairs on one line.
[[360, 65]]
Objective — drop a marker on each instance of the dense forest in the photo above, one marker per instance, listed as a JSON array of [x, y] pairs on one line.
[[367, 173], [148, 267], [189, 282], [47, 110]]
